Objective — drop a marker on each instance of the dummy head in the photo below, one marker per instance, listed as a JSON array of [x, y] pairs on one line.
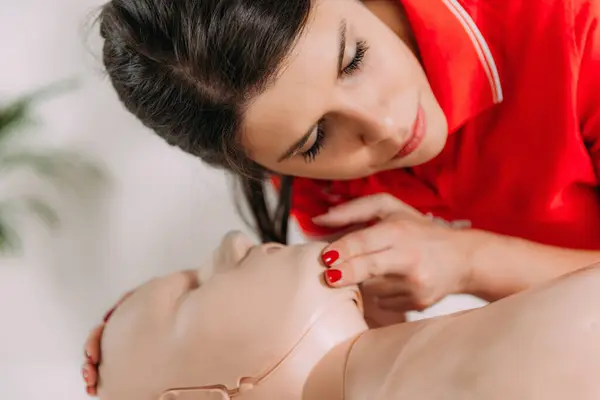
[[321, 89], [255, 329]]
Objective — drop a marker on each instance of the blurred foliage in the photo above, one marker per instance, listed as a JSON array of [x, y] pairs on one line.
[[62, 168]]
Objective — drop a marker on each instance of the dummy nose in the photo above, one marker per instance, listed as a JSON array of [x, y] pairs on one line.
[[233, 248]]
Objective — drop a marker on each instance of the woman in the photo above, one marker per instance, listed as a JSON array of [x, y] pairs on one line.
[[382, 118]]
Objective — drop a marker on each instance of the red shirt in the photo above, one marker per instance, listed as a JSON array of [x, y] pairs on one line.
[[519, 82]]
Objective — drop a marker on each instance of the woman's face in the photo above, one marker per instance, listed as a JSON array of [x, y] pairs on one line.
[[351, 99]]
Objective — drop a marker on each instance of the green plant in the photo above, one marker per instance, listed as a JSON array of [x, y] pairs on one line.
[[57, 166]]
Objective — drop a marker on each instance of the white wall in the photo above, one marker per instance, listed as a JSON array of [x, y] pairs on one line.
[[162, 211]]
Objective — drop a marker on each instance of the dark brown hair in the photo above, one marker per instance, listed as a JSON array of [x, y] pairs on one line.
[[188, 68]]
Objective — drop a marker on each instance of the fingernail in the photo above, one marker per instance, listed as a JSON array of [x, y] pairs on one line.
[[333, 275], [108, 314], [322, 216], [329, 257]]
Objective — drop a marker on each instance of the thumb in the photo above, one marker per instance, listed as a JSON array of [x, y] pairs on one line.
[[362, 210]]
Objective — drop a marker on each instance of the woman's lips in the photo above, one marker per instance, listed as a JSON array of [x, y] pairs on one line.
[[416, 135]]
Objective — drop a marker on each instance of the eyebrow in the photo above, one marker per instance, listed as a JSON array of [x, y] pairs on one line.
[[300, 143]]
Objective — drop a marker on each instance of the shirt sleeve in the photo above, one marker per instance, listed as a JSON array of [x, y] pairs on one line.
[[309, 199], [587, 40]]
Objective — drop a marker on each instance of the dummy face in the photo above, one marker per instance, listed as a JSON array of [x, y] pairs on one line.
[[174, 332], [351, 100]]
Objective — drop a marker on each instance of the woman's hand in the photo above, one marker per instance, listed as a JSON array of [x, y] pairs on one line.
[[405, 260], [92, 351]]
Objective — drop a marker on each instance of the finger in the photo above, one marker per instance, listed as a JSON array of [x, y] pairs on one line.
[[363, 210], [359, 243], [404, 302], [372, 323], [89, 373], [381, 237], [359, 269], [370, 311], [380, 317], [92, 391], [92, 345], [384, 286], [401, 303]]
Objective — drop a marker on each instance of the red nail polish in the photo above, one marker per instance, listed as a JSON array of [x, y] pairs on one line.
[[108, 314], [333, 275], [331, 256], [85, 375], [112, 310]]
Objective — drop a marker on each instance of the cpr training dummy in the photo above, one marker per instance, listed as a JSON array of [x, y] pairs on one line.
[[266, 327]]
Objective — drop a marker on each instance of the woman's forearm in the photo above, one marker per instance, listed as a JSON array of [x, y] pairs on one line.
[[503, 265]]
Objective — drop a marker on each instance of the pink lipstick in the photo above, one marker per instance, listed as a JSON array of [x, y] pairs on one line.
[[416, 135]]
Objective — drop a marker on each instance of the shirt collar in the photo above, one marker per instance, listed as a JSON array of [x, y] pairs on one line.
[[456, 57]]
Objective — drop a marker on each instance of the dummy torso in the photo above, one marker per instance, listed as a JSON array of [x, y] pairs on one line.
[[540, 344], [259, 327]]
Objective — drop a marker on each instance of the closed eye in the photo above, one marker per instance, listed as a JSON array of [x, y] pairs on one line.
[[353, 67], [357, 60]]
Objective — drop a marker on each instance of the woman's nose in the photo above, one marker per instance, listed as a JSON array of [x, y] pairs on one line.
[[382, 127], [378, 120]]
